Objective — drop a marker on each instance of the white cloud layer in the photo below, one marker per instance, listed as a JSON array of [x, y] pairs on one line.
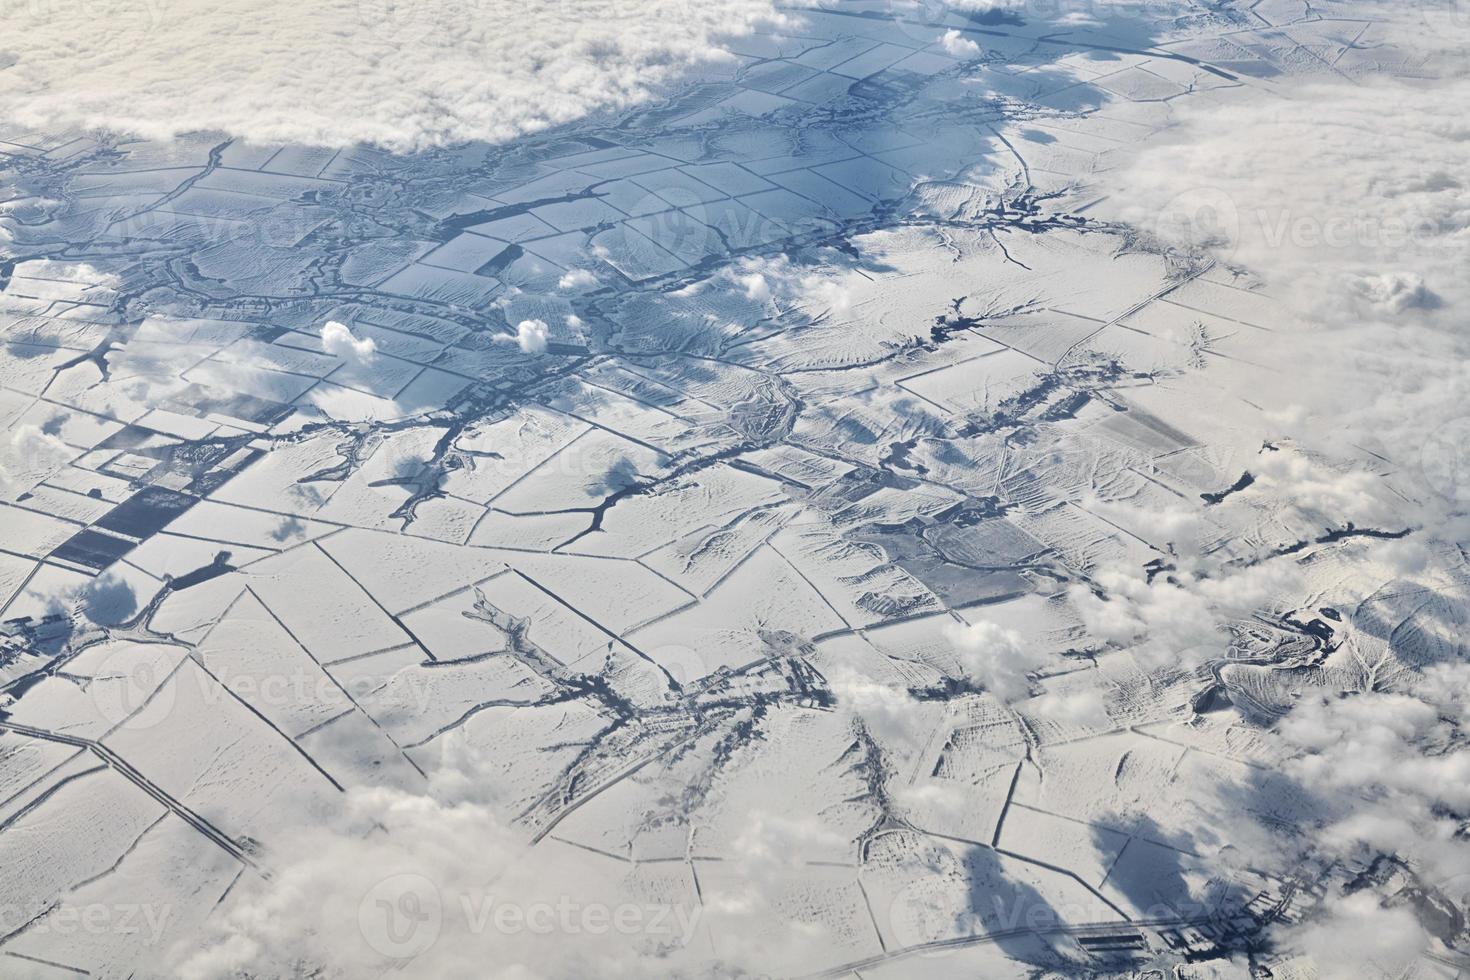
[[1350, 202], [398, 73], [1370, 264]]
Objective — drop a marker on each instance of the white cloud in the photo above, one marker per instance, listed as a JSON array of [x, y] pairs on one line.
[[399, 73], [1369, 265], [995, 657], [435, 887], [889, 712], [77, 273], [1342, 495], [441, 883], [782, 284], [1379, 754], [531, 336], [1177, 618], [32, 455], [1359, 937], [757, 290], [1387, 775], [1084, 707], [577, 279], [39, 448], [1393, 292], [338, 340], [956, 45]]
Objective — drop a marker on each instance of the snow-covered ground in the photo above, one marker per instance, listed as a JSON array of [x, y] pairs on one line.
[[863, 489]]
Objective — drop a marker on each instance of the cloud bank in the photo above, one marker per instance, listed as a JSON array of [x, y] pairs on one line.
[[1369, 364], [1350, 202], [1369, 262], [404, 74]]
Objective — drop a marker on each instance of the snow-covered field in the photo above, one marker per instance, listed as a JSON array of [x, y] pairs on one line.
[[865, 488]]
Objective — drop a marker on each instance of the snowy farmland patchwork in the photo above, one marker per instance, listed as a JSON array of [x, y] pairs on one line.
[[909, 488]]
